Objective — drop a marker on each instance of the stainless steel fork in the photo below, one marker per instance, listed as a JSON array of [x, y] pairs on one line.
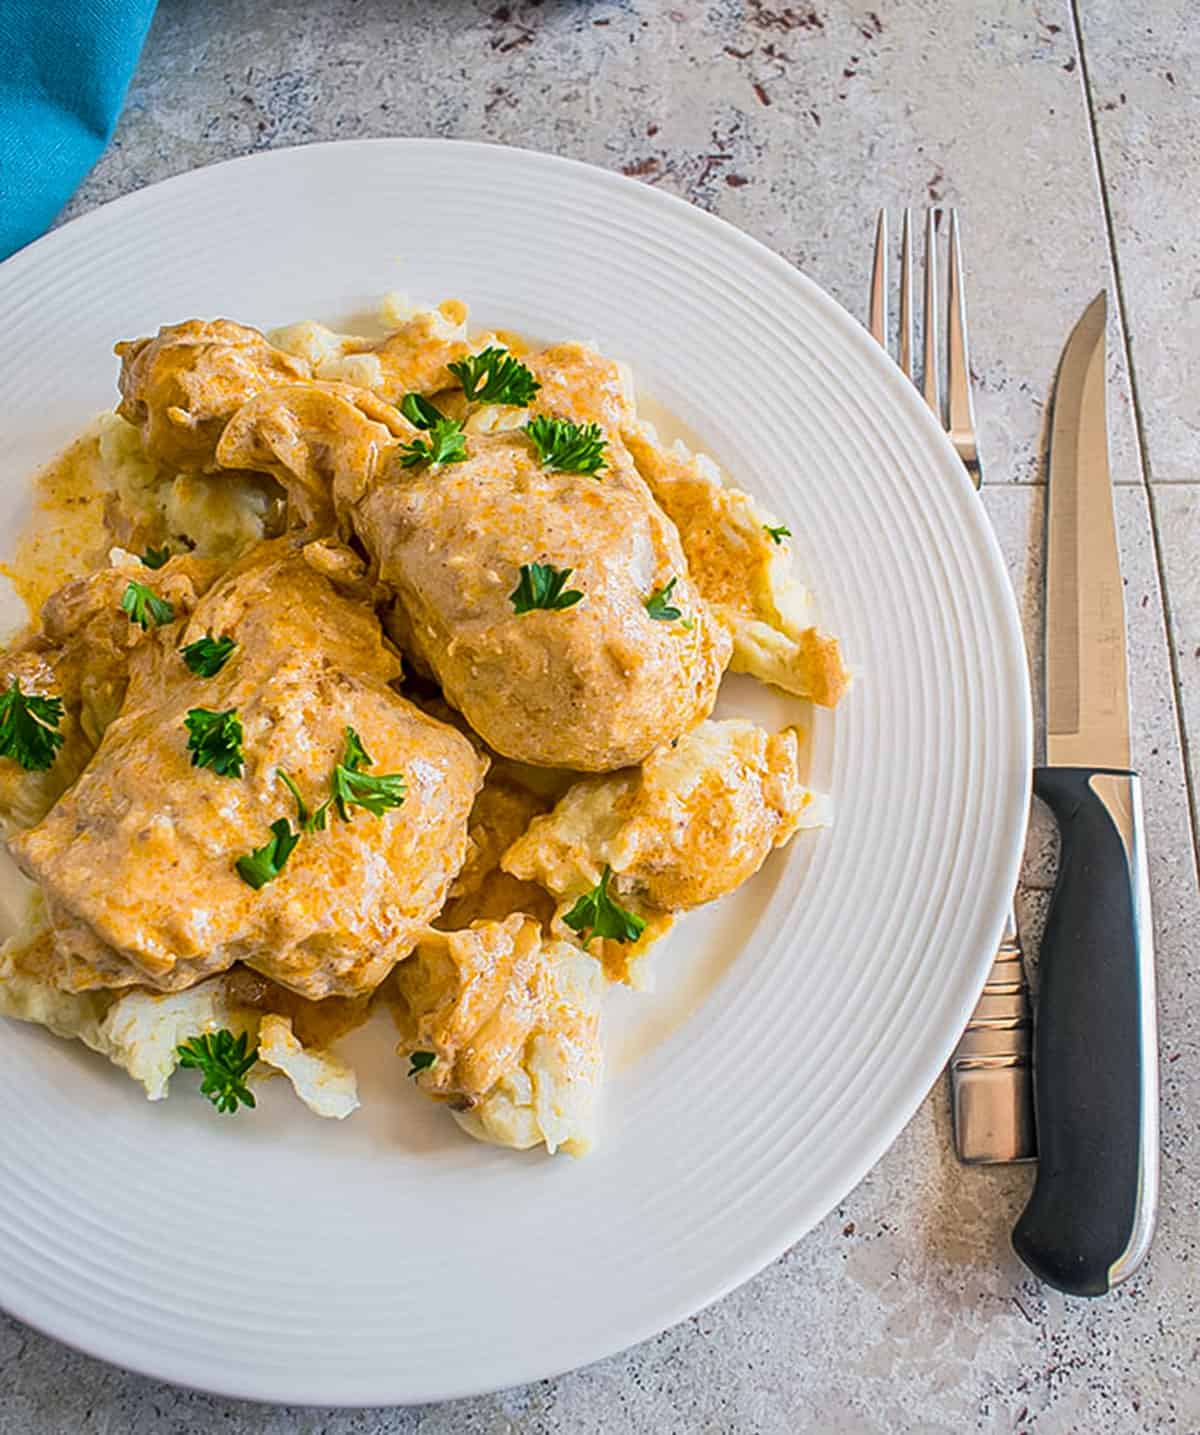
[[991, 1086]]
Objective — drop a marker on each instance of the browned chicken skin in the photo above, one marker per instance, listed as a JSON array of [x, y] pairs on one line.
[[137, 860]]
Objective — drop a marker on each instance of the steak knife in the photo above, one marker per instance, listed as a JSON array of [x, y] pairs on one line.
[[1090, 1217]]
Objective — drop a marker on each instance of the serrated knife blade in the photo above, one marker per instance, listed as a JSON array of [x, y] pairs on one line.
[[1087, 692]]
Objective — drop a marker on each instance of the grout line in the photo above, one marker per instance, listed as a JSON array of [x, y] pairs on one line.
[[999, 484], [1139, 424]]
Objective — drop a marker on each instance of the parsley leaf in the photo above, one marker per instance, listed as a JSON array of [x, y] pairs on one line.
[[354, 788], [215, 740], [599, 916], [309, 821], [27, 728], [208, 655], [257, 868], [356, 755], [155, 557], [778, 534], [565, 446], [144, 606], [223, 1061], [420, 1061], [541, 586], [659, 604], [420, 412], [495, 377], [359, 789], [446, 444]]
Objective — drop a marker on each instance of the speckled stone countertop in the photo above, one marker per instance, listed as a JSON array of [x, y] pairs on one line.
[[1066, 135]]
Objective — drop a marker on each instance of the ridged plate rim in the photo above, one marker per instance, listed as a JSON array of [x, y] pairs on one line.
[[973, 574]]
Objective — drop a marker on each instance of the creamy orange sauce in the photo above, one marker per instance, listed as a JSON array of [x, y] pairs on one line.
[[65, 535]]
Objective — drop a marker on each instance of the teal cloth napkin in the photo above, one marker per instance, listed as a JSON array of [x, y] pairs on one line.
[[64, 69]]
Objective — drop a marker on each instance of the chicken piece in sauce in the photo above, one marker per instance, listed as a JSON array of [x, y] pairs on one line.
[[325, 442], [593, 686], [137, 860], [80, 654], [180, 388]]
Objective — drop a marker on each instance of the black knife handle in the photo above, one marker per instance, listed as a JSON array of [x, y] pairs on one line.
[[1090, 1218]]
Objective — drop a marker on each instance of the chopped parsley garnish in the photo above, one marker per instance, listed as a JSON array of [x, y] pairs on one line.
[[354, 788], [28, 723], [659, 604], [266, 862], [356, 755], [309, 821], [495, 377], [420, 412], [565, 446], [420, 1061], [542, 586], [208, 655], [223, 1061], [215, 740], [599, 916], [155, 557], [144, 606], [446, 444], [778, 534]]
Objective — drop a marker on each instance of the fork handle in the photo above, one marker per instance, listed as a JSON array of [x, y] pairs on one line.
[[991, 1071]]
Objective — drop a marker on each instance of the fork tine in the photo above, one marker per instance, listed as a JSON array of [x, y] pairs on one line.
[[877, 318], [961, 425], [906, 324], [930, 382]]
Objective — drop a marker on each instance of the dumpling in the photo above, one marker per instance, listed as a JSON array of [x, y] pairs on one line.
[[504, 1025], [411, 358], [138, 861], [141, 1031], [742, 571], [694, 822]]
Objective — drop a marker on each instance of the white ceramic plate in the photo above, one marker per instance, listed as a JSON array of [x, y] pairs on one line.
[[797, 1025]]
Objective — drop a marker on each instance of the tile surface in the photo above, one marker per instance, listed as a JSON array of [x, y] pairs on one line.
[[905, 1310], [1144, 67]]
